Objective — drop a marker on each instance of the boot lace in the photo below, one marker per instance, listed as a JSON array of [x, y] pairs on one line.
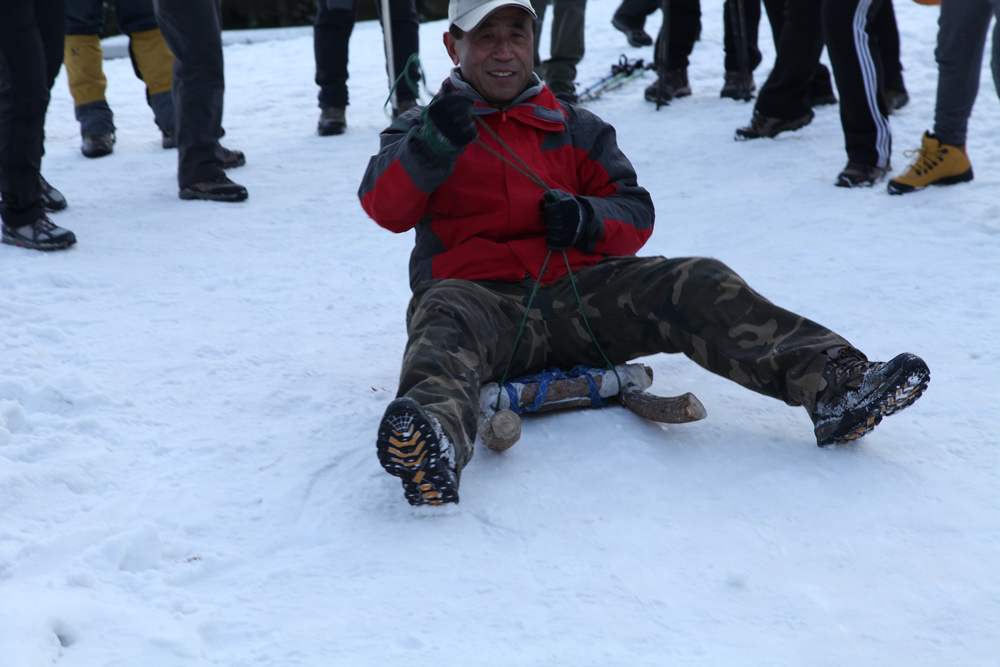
[[926, 159], [846, 368]]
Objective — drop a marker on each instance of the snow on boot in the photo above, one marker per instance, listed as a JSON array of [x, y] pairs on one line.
[[412, 445], [936, 163], [762, 126], [52, 199], [859, 393], [42, 234]]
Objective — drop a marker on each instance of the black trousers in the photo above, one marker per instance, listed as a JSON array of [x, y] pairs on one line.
[[857, 67], [31, 52], [785, 94], [682, 29], [86, 17], [332, 34], [751, 9], [193, 31]]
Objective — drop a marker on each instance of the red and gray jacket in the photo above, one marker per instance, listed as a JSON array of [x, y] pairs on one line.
[[477, 217]]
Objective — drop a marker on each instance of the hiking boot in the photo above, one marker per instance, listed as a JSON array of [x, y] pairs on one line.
[[231, 159], [896, 98], [668, 85], [97, 145], [935, 164], [412, 445], [42, 234], [402, 107], [736, 86], [221, 189], [168, 141], [52, 199], [859, 393], [636, 37], [332, 120], [857, 175], [762, 126]]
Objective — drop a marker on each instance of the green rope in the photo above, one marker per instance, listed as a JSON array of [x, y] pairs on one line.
[[520, 328], [586, 322], [404, 75]]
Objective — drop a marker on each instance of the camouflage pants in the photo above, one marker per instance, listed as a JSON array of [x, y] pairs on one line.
[[461, 333]]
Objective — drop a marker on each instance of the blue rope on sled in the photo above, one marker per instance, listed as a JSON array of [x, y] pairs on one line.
[[544, 379]]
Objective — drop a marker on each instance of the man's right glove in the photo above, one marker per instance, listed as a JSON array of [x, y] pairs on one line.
[[448, 125], [568, 221]]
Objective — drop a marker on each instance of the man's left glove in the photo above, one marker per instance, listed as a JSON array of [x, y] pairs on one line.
[[568, 221]]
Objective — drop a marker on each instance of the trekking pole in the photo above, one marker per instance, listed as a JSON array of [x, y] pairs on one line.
[[390, 64]]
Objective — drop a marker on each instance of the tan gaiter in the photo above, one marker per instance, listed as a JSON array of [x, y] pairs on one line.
[[153, 59], [84, 70]]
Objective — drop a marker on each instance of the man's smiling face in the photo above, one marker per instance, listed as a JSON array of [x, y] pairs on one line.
[[496, 56]]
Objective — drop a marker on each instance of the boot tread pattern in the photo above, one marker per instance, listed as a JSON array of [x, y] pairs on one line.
[[901, 397], [409, 448]]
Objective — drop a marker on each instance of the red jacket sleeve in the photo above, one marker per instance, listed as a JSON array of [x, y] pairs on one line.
[[622, 209], [402, 176]]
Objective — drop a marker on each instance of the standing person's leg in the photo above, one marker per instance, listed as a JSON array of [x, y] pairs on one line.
[[194, 34], [152, 61], [733, 23], [775, 10], [31, 45], [540, 7], [886, 34], [783, 104], [995, 58], [405, 44], [566, 48], [630, 18], [85, 75], [682, 27], [942, 159], [700, 307], [858, 72], [331, 39]]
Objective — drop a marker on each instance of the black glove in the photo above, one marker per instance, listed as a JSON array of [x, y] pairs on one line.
[[567, 220], [449, 118]]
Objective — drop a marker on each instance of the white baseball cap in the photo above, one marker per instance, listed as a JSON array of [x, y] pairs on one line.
[[467, 14]]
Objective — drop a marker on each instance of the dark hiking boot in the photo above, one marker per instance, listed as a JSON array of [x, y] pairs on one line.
[[564, 91], [637, 37], [221, 189], [42, 234], [97, 145], [762, 126], [857, 175], [52, 199], [168, 141], [896, 98], [668, 85], [412, 446], [860, 393], [332, 120], [736, 86], [231, 159]]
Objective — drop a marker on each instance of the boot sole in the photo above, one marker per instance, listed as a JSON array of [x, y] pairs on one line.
[[408, 448], [34, 246], [897, 188], [747, 133], [190, 196], [907, 389]]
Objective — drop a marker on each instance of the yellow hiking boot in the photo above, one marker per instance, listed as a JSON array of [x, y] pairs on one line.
[[935, 164]]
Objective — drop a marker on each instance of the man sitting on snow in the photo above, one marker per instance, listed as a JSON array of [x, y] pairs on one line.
[[496, 172]]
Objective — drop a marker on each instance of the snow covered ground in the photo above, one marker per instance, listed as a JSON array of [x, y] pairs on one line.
[[190, 398]]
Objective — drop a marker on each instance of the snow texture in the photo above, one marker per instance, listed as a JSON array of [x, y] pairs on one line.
[[190, 398]]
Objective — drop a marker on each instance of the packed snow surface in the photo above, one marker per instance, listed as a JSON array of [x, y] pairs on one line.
[[190, 399]]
